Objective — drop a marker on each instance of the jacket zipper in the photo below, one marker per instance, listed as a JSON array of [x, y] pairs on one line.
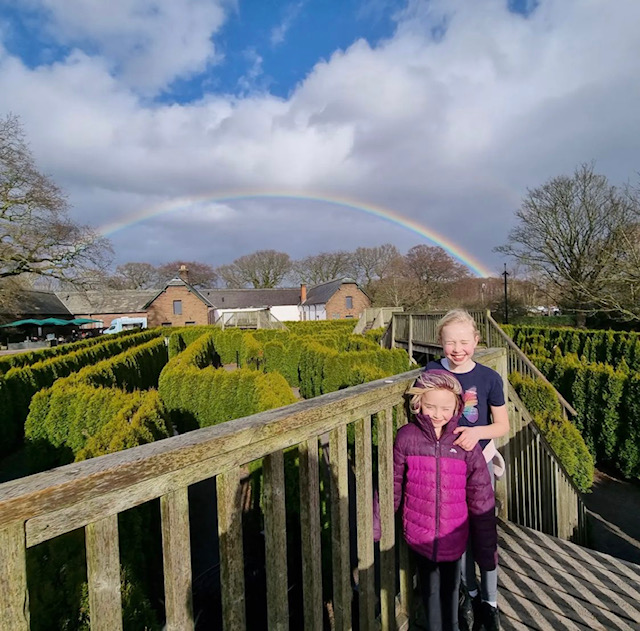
[[435, 543]]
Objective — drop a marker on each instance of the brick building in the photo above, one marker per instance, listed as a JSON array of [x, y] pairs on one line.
[[341, 298]]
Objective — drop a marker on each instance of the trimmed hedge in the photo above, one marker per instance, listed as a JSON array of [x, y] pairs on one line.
[[199, 395], [31, 357], [607, 401], [564, 438], [19, 385], [323, 369], [608, 347]]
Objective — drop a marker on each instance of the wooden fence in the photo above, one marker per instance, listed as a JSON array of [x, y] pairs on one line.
[[92, 493]]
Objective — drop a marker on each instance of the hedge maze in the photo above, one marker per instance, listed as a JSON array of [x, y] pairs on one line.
[[598, 372]]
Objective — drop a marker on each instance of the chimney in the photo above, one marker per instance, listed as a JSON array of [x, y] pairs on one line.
[[303, 292], [183, 272]]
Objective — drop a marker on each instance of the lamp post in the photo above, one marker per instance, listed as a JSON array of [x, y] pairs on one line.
[[506, 304]]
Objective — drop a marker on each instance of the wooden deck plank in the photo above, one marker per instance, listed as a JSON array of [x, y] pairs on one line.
[[548, 584], [520, 558]]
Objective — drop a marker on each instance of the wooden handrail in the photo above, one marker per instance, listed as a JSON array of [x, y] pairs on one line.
[[520, 357]]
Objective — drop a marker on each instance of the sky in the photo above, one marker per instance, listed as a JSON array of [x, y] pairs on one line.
[[209, 129]]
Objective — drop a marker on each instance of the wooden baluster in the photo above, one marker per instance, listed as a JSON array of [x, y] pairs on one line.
[[275, 527], [310, 529], [406, 566], [231, 552], [103, 574], [176, 557], [364, 517], [14, 595], [387, 521], [340, 528]]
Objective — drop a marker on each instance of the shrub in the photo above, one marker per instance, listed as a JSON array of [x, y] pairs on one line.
[[565, 440]]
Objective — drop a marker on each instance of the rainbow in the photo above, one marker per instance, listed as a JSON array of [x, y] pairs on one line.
[[466, 258]]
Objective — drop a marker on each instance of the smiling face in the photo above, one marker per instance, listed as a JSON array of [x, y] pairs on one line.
[[440, 406], [459, 341]]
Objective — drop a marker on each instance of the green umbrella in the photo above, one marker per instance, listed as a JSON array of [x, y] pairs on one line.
[[82, 321], [53, 322], [21, 322]]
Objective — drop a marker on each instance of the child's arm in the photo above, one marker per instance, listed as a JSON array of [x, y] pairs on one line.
[[482, 517], [469, 436]]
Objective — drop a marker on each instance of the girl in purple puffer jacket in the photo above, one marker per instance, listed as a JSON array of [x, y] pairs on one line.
[[446, 496]]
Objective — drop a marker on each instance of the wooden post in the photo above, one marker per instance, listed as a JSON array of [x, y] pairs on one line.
[[275, 532], [410, 337], [231, 552], [387, 522], [310, 528], [393, 331], [364, 517], [103, 574], [176, 557], [14, 595], [340, 528]]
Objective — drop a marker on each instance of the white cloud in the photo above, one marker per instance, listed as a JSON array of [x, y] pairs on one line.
[[147, 43], [446, 130], [291, 13]]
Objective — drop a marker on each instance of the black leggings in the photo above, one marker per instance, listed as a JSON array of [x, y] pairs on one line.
[[439, 585]]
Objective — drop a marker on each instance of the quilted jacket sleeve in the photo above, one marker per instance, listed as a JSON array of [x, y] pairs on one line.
[[399, 465], [482, 514]]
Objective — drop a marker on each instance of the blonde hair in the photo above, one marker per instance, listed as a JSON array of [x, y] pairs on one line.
[[434, 380], [456, 316]]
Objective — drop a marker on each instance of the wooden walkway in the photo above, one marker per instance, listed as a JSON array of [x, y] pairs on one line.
[[550, 584]]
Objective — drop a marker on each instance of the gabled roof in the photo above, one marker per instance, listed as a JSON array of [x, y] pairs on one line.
[[320, 294], [248, 298], [107, 301], [41, 303], [177, 282]]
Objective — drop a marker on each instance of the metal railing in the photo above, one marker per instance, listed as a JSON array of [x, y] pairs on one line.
[[259, 319]]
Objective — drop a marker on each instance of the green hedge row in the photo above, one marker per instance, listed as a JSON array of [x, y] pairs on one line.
[[180, 339], [31, 357], [323, 369], [198, 395], [90, 398], [565, 439], [607, 347], [76, 421], [19, 385], [607, 400]]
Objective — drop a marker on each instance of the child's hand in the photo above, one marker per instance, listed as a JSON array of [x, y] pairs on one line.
[[467, 439]]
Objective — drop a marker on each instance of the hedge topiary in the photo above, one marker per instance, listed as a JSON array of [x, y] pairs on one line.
[[540, 400]]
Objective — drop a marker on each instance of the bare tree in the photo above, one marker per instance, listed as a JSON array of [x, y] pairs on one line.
[[571, 231], [37, 237], [372, 264], [262, 270], [136, 276], [323, 267], [201, 275]]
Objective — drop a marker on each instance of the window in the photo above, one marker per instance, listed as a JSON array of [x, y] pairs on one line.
[[166, 324], [335, 316], [177, 307], [191, 323], [348, 316], [349, 302]]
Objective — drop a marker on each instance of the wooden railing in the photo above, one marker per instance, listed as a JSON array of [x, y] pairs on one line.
[[377, 317], [538, 490], [92, 493]]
